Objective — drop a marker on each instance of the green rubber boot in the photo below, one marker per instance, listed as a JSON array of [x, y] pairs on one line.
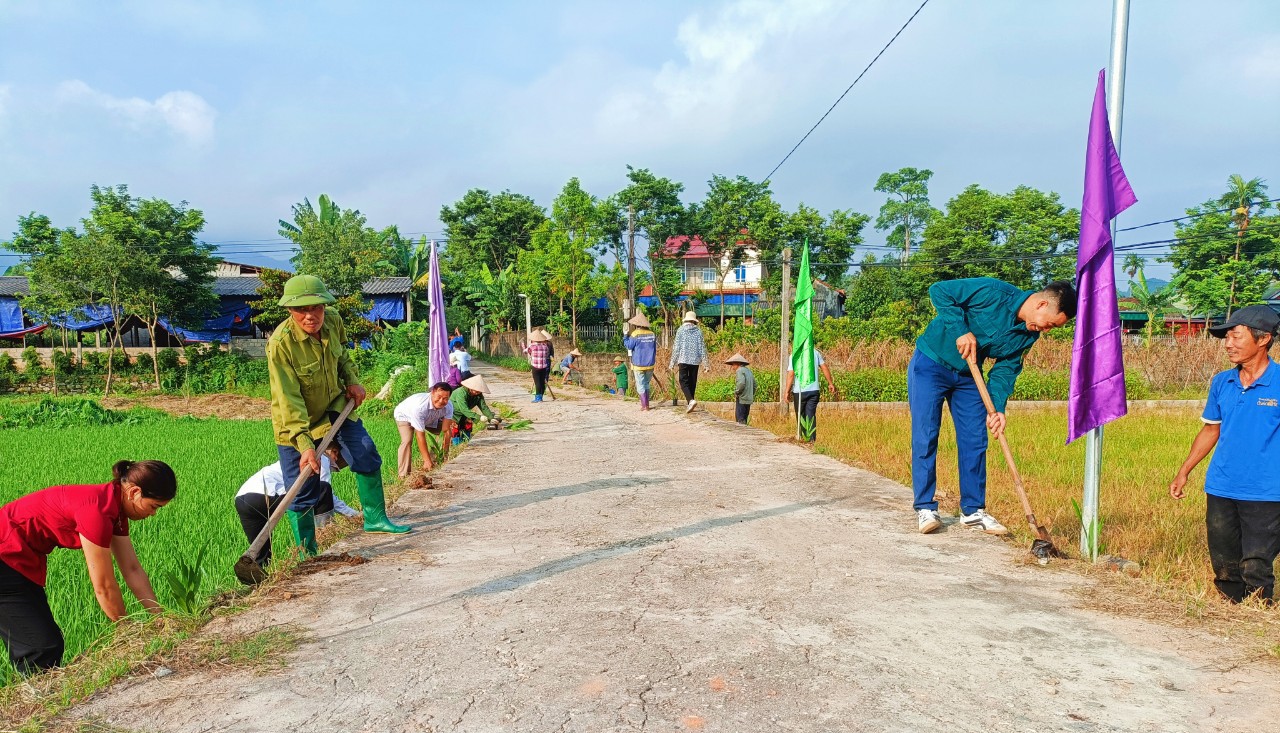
[[304, 531], [374, 504]]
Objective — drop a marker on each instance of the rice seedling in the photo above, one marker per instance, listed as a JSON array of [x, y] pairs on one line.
[[190, 546]]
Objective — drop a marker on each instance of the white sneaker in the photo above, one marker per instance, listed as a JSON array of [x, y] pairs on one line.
[[930, 520], [692, 404], [985, 522]]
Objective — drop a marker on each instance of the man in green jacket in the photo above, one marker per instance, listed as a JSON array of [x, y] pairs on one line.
[[312, 377], [980, 318], [469, 405]]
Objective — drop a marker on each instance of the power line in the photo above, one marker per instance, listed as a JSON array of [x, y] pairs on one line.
[[846, 91], [1189, 216]]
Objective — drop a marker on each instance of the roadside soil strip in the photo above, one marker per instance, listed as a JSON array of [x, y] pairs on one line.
[[612, 570]]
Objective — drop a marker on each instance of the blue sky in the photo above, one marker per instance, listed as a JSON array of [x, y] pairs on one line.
[[395, 108]]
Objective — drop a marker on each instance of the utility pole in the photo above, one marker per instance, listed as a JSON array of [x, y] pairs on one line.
[[783, 342], [629, 307], [631, 256], [1115, 116]]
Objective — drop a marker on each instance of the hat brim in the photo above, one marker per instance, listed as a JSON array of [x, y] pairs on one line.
[[736, 361], [301, 301]]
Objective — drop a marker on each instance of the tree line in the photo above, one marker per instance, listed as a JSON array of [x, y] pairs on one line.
[[143, 257]]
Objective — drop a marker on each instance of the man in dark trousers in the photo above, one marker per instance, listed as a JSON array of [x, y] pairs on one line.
[[1242, 485], [312, 376], [978, 318]]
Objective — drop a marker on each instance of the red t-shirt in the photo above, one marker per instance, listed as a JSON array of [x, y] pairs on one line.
[[31, 527]]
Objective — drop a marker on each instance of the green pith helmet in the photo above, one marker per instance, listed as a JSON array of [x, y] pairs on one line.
[[301, 290]]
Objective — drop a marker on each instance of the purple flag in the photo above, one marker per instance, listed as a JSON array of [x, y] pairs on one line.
[[438, 333], [1097, 394]]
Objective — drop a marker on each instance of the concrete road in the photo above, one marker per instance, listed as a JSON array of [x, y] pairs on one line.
[[614, 571]]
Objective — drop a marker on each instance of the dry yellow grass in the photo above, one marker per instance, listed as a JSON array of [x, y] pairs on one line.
[[1141, 454]]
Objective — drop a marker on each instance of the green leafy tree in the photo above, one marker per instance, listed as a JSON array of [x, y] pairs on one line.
[[738, 215], [660, 215], [577, 226], [137, 257], [907, 211], [1226, 259], [339, 247], [832, 243], [1026, 237], [173, 271], [270, 313], [489, 229]]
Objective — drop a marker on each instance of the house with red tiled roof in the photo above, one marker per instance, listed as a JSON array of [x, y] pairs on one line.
[[700, 272]]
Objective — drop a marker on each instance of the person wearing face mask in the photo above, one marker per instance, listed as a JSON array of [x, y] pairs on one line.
[[93, 518], [978, 319]]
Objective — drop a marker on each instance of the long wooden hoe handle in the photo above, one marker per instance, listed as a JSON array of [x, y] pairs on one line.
[[265, 535], [1004, 445]]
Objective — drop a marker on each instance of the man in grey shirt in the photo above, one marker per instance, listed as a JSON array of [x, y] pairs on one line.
[[744, 389]]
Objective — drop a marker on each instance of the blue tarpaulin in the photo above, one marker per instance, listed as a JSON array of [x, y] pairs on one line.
[[732, 299], [648, 301], [10, 315], [89, 318], [214, 330], [386, 308]]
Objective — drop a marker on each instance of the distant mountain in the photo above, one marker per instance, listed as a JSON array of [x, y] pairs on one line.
[[1154, 283]]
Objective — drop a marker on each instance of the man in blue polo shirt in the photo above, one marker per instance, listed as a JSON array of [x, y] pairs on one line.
[[1242, 485], [980, 318]]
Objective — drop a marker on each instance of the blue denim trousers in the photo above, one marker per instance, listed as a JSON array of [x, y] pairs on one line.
[[642, 380], [358, 451], [929, 384]]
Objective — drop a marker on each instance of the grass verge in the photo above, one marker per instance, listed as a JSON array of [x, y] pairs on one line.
[[1140, 522]]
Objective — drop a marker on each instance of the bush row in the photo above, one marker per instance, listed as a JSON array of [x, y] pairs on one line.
[[887, 385]]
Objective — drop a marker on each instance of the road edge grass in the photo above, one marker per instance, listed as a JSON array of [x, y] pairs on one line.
[[1253, 626], [174, 641]]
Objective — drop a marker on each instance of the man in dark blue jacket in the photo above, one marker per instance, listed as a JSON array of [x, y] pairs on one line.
[[978, 318]]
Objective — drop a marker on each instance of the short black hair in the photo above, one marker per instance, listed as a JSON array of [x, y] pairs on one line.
[[1258, 333], [1064, 295], [442, 385]]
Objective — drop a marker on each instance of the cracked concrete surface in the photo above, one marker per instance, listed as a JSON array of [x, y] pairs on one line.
[[618, 571]]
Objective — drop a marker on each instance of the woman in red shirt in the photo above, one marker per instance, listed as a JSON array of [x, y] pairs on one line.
[[92, 517]]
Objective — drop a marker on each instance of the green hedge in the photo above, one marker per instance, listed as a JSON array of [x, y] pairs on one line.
[[888, 385]]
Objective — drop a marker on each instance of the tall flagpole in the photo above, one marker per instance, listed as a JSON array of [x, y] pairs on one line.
[[1115, 116]]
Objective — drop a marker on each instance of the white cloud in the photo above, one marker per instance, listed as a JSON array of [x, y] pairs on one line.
[[720, 70], [185, 114]]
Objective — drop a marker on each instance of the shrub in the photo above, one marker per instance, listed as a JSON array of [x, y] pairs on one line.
[[33, 367], [144, 364], [168, 359], [95, 362], [7, 365], [63, 361], [119, 361]]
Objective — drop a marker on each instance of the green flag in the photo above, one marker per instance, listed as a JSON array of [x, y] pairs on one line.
[[802, 361]]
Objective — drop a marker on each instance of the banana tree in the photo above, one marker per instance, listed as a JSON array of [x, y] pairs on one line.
[[1153, 303], [492, 296]]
